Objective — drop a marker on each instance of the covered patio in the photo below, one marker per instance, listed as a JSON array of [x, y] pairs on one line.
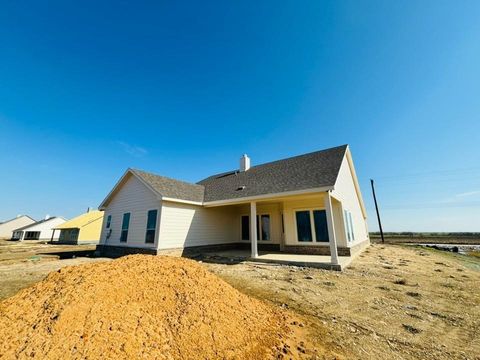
[[316, 261], [300, 229]]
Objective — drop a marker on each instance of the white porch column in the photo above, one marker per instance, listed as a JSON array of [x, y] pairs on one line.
[[253, 229], [331, 229]]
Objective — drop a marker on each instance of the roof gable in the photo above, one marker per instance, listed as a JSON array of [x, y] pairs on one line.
[[17, 218], [160, 186]]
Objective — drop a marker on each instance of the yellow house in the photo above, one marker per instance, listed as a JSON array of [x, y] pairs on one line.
[[84, 229]]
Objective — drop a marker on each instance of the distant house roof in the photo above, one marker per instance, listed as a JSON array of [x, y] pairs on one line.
[[17, 217], [81, 220], [314, 170], [38, 223]]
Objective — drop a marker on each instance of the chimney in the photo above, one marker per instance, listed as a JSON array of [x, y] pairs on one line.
[[88, 209], [244, 163]]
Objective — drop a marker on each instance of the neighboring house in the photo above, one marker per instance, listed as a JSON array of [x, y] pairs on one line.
[[85, 228], [305, 204], [40, 230], [7, 227]]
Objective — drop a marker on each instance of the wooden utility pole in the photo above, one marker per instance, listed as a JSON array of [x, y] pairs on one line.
[[378, 213]]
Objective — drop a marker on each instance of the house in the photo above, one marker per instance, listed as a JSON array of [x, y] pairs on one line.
[[84, 229], [7, 227], [307, 204], [40, 230]]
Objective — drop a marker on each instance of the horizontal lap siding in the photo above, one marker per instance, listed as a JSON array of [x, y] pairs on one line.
[[345, 192], [184, 225], [133, 197]]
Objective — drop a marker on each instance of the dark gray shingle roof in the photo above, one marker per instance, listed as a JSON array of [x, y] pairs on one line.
[[313, 170], [308, 171], [172, 188]]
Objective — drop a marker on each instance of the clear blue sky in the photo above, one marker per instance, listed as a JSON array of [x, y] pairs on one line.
[[183, 89]]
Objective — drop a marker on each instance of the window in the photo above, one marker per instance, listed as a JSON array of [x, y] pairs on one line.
[[245, 227], [109, 221], [349, 225], [32, 235], [304, 227], [125, 224], [151, 226], [263, 227], [312, 226], [321, 227]]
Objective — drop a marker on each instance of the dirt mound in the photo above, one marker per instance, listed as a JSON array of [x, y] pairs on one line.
[[138, 307]]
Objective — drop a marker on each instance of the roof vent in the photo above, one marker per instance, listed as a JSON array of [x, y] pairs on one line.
[[240, 188], [244, 163], [47, 217]]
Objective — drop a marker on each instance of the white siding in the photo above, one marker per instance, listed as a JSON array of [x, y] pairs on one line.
[[134, 198], [345, 192], [46, 228], [6, 229], [184, 225]]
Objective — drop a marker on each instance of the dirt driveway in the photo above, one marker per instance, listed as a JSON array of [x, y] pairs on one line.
[[394, 302]]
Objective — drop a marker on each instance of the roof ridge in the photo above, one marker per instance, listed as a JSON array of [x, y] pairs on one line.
[[165, 177], [275, 161], [18, 217]]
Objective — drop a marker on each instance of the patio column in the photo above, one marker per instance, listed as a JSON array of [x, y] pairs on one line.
[[253, 229], [331, 229]]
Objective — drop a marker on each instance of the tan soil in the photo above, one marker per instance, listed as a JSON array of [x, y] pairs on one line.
[[140, 306], [365, 312], [393, 302]]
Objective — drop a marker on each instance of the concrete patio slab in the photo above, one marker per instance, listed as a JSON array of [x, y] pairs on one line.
[[316, 261]]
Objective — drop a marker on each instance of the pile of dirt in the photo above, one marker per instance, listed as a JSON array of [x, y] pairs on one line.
[[139, 306]]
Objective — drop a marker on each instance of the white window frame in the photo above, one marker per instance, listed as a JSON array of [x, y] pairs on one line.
[[314, 241], [348, 223], [259, 233]]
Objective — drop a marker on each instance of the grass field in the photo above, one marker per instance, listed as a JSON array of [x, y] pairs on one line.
[[428, 238]]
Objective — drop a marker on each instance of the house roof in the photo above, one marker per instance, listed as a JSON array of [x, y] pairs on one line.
[[81, 220], [304, 172], [16, 218], [309, 171], [172, 188], [39, 222]]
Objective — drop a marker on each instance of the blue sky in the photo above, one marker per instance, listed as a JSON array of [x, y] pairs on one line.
[[184, 88]]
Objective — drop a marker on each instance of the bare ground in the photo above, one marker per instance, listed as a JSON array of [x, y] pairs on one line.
[[25, 263], [394, 302]]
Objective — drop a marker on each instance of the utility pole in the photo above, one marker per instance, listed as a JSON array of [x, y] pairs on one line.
[[378, 213]]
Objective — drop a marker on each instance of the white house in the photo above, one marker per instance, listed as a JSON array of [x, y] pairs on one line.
[[40, 230], [307, 204], [7, 227]]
